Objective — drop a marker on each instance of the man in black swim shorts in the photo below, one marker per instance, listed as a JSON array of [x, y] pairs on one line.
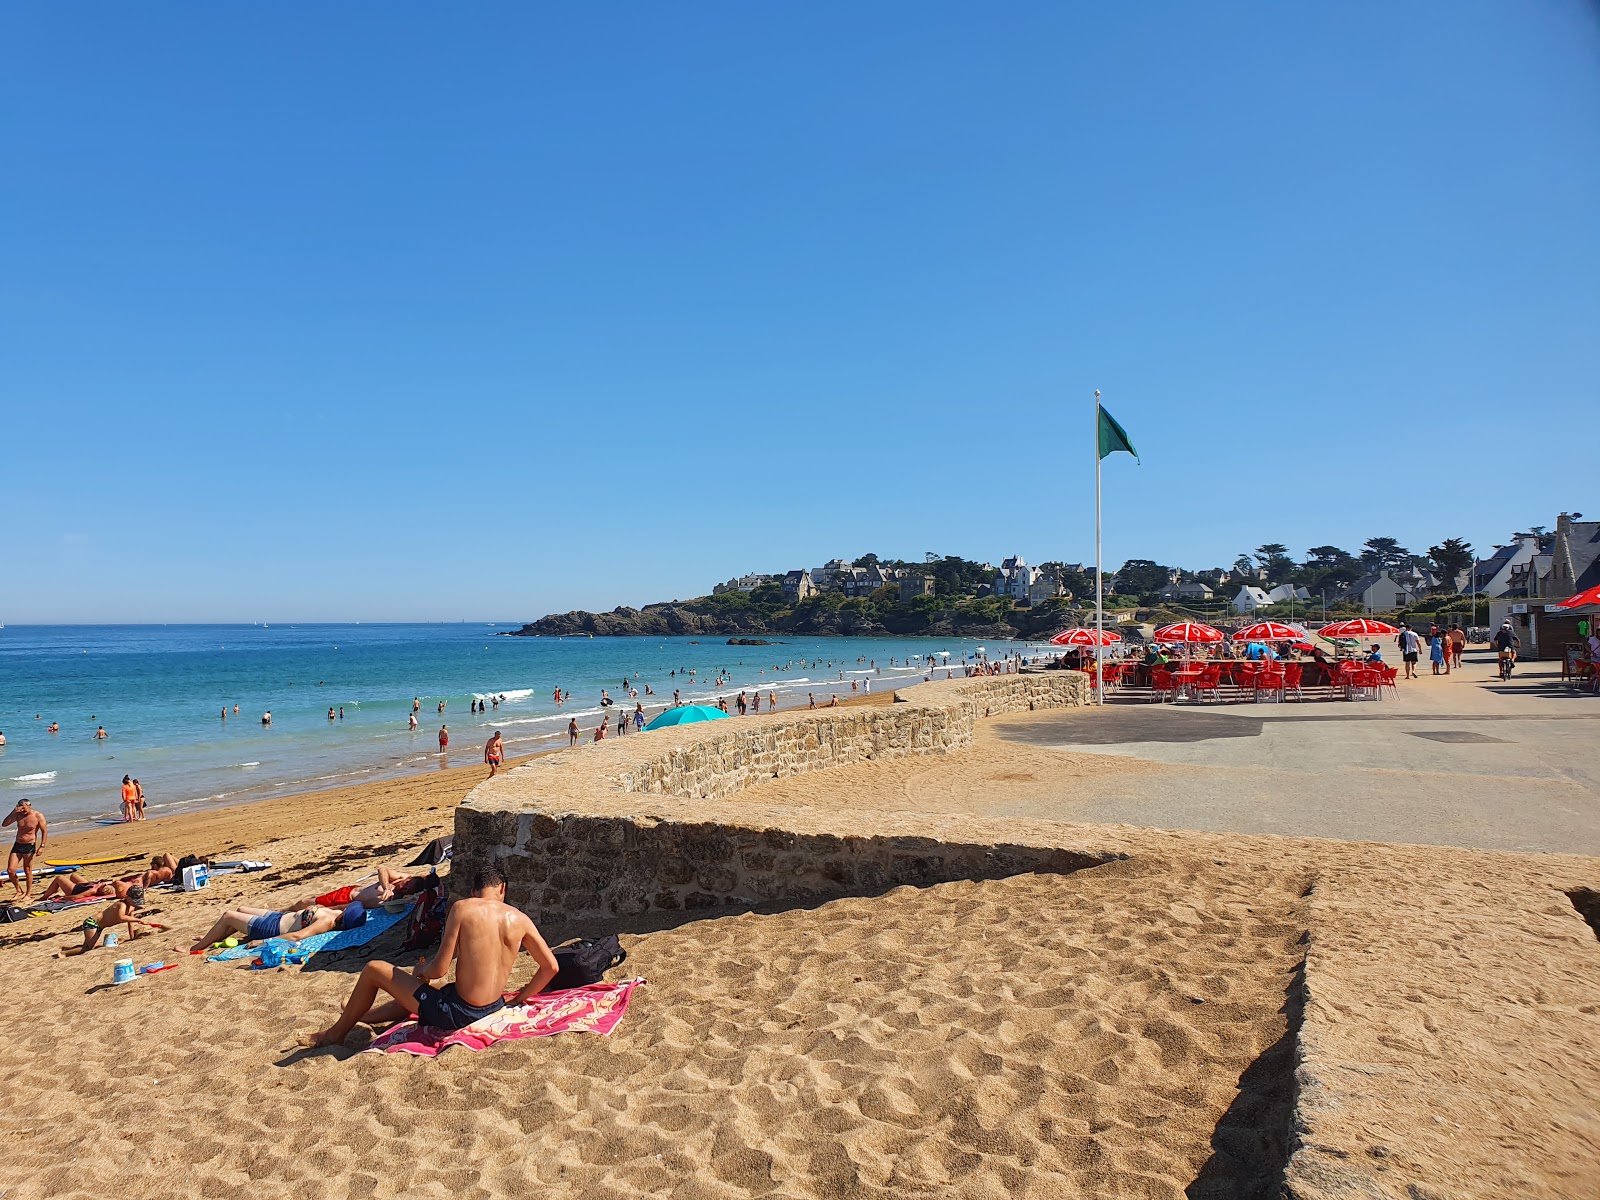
[[482, 936], [32, 831]]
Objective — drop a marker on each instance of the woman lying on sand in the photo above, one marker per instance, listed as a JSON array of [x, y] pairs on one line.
[[259, 924], [74, 886]]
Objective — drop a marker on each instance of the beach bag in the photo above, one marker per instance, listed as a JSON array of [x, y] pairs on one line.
[[585, 962], [427, 919], [279, 952]]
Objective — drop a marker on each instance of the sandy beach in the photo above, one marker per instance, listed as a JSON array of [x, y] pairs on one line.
[[1124, 1030]]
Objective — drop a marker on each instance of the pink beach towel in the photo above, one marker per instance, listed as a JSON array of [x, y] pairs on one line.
[[594, 1009]]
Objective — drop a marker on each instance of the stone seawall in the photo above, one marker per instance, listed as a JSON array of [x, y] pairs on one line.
[[575, 837]]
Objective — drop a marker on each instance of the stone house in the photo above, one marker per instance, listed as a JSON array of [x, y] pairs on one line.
[[797, 586]]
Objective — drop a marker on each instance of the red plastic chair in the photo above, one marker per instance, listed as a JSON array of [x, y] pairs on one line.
[[1244, 677], [1367, 680], [1162, 684], [1387, 684], [1209, 683], [1269, 682], [1291, 681]]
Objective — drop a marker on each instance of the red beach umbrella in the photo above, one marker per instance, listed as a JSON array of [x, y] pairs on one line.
[[1583, 599], [1188, 631], [1269, 631], [1358, 627], [1085, 637]]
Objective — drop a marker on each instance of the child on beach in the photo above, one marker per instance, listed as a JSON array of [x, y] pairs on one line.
[[119, 912]]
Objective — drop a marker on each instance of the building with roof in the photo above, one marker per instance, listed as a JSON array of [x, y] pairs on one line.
[[1574, 558]]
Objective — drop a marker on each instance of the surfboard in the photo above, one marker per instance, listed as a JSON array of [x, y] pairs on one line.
[[39, 873], [90, 862]]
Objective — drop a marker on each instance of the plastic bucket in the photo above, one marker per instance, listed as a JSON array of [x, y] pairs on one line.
[[111, 937], [122, 971]]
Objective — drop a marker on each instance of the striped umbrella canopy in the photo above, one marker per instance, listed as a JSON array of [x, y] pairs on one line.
[[1188, 631], [1270, 631], [1583, 599], [1084, 636], [1358, 627]]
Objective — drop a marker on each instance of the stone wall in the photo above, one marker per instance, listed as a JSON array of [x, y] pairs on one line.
[[573, 836]]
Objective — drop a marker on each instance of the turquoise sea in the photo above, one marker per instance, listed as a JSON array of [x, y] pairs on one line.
[[159, 690]]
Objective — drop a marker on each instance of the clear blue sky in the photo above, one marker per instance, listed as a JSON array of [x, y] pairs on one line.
[[400, 311]]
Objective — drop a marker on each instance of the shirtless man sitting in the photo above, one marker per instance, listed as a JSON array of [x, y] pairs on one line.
[[482, 935], [259, 924], [390, 885]]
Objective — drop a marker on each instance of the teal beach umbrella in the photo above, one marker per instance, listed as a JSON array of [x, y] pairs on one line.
[[686, 714]]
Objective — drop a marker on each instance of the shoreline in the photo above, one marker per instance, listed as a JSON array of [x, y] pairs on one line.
[[215, 831]]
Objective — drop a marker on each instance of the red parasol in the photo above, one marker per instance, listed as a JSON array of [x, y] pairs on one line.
[[1270, 631], [1583, 599], [1188, 631], [1085, 637], [1357, 627]]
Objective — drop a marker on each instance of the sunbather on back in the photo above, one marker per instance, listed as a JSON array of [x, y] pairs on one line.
[[482, 936], [73, 886], [390, 885], [259, 924]]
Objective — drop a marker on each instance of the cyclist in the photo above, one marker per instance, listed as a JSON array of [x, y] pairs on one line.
[[1506, 644]]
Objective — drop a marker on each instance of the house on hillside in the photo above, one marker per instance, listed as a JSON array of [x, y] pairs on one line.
[[797, 586], [1286, 591], [1014, 578], [826, 577], [914, 585], [1250, 598], [1045, 586], [1193, 590]]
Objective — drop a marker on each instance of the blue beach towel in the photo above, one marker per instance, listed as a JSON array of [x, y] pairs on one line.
[[337, 939]]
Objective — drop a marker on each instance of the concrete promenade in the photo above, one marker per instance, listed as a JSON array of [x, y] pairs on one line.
[[1462, 760]]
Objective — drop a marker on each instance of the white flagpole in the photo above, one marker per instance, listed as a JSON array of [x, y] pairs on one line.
[[1099, 585]]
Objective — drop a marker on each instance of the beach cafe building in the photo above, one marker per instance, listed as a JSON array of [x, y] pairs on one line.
[[1545, 629]]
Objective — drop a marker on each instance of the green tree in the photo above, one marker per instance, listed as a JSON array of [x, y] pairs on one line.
[[1382, 552], [1274, 557], [1142, 577], [1244, 565], [1451, 556]]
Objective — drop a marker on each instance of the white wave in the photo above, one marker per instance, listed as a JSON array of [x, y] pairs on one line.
[[243, 766], [38, 778], [505, 697]]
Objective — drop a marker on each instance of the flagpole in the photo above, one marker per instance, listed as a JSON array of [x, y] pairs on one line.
[[1099, 583]]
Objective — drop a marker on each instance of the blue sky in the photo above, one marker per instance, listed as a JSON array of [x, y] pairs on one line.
[[405, 312]]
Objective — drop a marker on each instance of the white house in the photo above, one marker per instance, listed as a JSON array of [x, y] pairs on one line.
[[1495, 574], [1250, 598], [1014, 578], [1285, 591]]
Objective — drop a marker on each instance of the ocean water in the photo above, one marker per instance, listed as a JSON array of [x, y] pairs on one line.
[[159, 690]]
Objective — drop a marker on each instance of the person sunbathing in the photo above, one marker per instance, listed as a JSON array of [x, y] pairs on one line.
[[256, 925], [122, 911], [163, 868], [390, 885], [482, 936], [73, 886]]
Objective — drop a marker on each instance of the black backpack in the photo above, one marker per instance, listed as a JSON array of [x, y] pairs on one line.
[[585, 962]]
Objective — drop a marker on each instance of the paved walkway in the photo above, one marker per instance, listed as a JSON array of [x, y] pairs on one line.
[[1462, 760]]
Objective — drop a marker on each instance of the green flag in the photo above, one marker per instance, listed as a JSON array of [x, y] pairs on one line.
[[1112, 436]]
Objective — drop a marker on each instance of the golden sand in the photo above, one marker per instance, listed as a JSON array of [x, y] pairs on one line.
[[1120, 1031]]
